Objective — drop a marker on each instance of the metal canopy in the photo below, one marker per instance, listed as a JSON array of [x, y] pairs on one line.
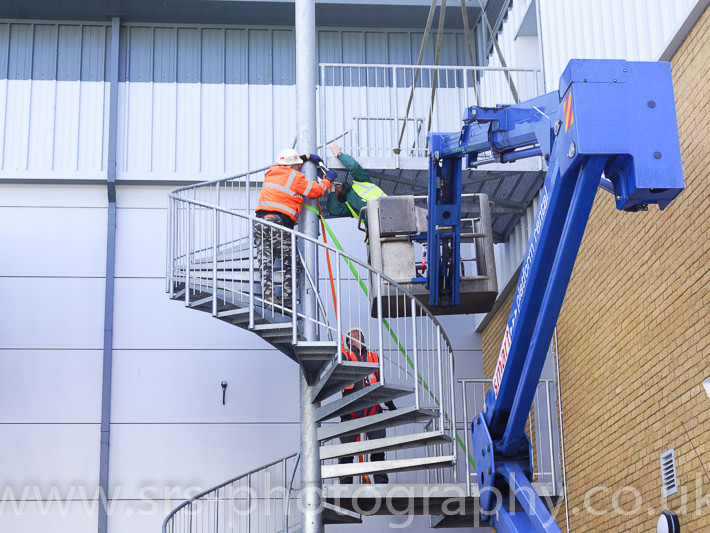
[[336, 13], [512, 191]]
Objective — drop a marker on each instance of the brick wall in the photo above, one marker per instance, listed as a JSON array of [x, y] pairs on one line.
[[634, 339]]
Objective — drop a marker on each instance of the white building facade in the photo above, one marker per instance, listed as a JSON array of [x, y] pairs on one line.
[[193, 101]]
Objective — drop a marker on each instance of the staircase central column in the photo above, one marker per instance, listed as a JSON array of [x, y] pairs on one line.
[[306, 59]]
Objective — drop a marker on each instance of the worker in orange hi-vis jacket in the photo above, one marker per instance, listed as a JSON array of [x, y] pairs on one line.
[[280, 201], [356, 351]]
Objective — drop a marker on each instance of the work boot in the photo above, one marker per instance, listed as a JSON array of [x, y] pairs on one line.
[[381, 478]]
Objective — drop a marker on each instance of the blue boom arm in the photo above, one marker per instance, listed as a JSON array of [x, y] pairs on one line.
[[612, 124]]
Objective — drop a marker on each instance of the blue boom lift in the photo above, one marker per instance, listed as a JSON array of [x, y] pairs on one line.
[[612, 124]]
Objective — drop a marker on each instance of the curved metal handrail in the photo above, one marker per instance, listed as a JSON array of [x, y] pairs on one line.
[[169, 520], [326, 246]]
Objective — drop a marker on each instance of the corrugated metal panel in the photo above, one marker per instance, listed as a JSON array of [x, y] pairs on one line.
[[635, 30], [236, 88], [194, 102], [53, 99]]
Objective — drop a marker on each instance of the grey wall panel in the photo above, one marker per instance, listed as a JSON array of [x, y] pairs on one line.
[[44, 57], [181, 386], [140, 54], [140, 242], [52, 241], [164, 55], [69, 53], [212, 58], [53, 195], [192, 455], [20, 52], [50, 455], [50, 386], [188, 55], [77, 517], [153, 197], [52, 313], [93, 53], [145, 318], [235, 60]]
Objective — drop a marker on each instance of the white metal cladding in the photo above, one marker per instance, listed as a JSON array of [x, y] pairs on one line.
[[636, 30], [52, 99], [195, 102], [603, 29]]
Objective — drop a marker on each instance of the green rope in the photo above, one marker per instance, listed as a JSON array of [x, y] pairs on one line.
[[401, 348]]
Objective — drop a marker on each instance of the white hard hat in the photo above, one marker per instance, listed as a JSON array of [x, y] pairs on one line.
[[358, 330], [289, 156]]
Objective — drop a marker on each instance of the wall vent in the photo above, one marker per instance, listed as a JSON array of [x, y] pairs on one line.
[[668, 475]]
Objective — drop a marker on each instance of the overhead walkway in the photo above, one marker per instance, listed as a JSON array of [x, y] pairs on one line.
[[211, 267]]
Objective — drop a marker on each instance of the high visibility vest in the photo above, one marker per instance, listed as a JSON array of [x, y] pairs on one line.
[[367, 191], [371, 358], [284, 188], [370, 380]]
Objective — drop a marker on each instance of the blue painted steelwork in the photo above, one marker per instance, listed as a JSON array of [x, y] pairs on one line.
[[609, 117]]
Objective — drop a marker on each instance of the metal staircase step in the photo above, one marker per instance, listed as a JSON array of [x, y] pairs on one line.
[[279, 332], [332, 514], [401, 442], [314, 355], [234, 316], [406, 415], [386, 467], [367, 397], [316, 350], [340, 375]]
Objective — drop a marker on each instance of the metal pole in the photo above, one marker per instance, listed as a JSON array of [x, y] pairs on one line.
[[306, 80]]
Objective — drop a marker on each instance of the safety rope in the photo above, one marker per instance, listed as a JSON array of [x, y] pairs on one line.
[[385, 323], [425, 38], [437, 57], [503, 64], [469, 49], [327, 258]]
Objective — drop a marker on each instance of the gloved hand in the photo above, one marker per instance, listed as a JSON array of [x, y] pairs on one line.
[[315, 158], [331, 175]]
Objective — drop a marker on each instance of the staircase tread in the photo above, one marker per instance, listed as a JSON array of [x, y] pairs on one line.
[[339, 375], [399, 442], [385, 419], [366, 397], [387, 466]]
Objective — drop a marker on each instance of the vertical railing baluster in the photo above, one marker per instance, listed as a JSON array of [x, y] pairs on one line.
[[466, 431], [251, 272], [294, 291], [380, 318], [549, 434], [215, 237], [188, 253], [415, 353], [338, 308]]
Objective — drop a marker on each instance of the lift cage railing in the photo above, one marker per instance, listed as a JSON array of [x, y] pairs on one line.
[[212, 257], [383, 107], [541, 425]]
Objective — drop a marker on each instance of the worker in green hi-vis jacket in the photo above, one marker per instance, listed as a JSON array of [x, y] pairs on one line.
[[348, 200]]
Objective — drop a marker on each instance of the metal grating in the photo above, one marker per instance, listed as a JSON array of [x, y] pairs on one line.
[[668, 473]]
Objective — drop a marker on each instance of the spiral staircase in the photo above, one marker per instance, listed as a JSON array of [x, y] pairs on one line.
[[211, 267]]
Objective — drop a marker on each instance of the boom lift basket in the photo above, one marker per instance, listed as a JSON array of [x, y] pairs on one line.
[[397, 228]]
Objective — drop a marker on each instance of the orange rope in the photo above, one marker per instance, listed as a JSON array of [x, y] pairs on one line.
[[327, 257]]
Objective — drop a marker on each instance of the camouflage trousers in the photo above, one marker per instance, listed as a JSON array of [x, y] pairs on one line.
[[273, 256]]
